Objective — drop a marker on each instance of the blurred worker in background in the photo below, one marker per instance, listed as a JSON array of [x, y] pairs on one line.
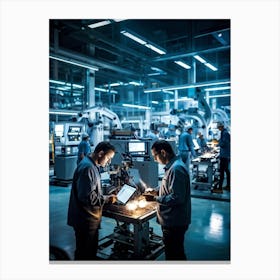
[[186, 147], [84, 147], [174, 201], [152, 134], [202, 143], [86, 201], [224, 144]]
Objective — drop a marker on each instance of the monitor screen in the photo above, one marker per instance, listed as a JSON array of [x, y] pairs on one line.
[[136, 147], [58, 130], [75, 129]]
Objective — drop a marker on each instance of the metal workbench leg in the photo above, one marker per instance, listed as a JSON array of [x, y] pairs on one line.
[[141, 238]]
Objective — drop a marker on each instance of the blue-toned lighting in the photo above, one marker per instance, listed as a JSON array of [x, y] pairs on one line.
[[137, 106], [99, 24], [182, 64]]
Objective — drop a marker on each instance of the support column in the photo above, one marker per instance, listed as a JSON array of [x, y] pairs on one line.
[[192, 77], [176, 99], [90, 97]]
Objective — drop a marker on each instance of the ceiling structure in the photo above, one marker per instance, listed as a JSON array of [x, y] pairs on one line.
[[144, 70]]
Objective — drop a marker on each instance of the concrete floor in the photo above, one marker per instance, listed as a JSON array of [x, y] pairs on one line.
[[208, 237]]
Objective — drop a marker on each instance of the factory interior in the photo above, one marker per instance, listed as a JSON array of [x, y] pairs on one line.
[[131, 72], [131, 82]]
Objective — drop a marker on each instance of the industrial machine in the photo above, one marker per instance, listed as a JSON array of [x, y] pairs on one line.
[[67, 136], [100, 122], [139, 153], [205, 170]]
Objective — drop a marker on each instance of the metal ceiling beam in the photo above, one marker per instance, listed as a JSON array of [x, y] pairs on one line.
[[180, 55], [184, 86], [63, 54], [94, 35], [91, 61], [211, 33]]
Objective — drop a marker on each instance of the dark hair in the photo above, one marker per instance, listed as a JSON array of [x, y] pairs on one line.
[[163, 145], [105, 147]]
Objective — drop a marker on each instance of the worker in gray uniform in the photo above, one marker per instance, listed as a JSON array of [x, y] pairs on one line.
[[86, 201], [174, 200], [186, 147]]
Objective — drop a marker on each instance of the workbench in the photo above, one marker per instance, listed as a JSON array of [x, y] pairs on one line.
[[132, 238]]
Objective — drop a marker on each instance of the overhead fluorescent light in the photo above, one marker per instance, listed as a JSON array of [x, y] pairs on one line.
[[65, 84], [133, 37], [155, 74], [118, 20], [101, 89], [113, 85], [217, 96], [155, 102], [105, 90], [181, 63], [158, 72], [187, 86], [74, 63], [156, 69], [100, 23], [57, 82], [137, 106], [211, 66], [199, 58], [155, 49], [179, 99], [217, 88], [65, 113], [136, 83], [169, 92], [59, 88], [143, 41]]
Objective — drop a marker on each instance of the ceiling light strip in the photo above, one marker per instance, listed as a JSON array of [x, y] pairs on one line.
[[74, 63], [133, 37], [155, 49], [143, 42], [217, 96], [137, 106], [105, 90], [203, 61], [65, 84], [211, 66], [221, 82], [199, 58], [217, 88], [182, 64], [99, 24], [64, 113]]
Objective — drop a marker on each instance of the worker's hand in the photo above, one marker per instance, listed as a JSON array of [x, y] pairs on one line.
[[149, 197], [112, 198], [151, 191]]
